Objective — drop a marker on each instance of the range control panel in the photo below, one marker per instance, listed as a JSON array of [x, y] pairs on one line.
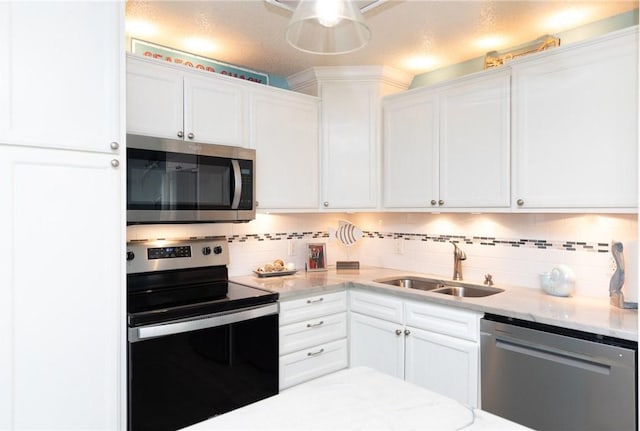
[[168, 252], [161, 255]]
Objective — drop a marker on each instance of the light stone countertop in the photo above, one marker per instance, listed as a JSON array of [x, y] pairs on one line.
[[580, 313], [357, 399]]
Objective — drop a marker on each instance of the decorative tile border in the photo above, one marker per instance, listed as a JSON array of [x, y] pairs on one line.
[[276, 236], [597, 247]]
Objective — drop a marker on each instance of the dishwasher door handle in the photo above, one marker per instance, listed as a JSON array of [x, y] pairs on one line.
[[211, 321], [561, 357]]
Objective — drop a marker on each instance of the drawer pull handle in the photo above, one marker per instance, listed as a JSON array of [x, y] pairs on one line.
[[311, 301], [315, 353], [398, 331], [313, 325]]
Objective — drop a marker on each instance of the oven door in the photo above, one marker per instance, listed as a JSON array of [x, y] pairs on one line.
[[185, 372]]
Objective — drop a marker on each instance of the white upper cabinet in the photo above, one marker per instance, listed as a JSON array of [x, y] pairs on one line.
[[166, 101], [284, 133], [215, 111], [60, 85], [475, 143], [350, 130], [349, 146], [154, 99], [575, 113], [448, 147], [410, 150]]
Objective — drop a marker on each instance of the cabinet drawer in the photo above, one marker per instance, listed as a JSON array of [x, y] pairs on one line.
[[298, 310], [308, 333], [443, 320], [310, 363], [380, 306]]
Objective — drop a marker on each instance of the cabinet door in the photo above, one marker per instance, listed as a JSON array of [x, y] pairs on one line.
[[410, 150], [349, 145], [377, 344], [443, 364], [60, 81], [576, 126], [214, 111], [154, 99], [475, 143], [62, 307], [284, 133]]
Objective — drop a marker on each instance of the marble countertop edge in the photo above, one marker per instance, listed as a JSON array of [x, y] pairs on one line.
[[592, 315]]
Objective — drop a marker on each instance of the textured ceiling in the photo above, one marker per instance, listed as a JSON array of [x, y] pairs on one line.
[[250, 33]]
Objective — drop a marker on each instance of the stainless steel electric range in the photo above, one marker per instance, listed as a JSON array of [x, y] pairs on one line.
[[198, 345]]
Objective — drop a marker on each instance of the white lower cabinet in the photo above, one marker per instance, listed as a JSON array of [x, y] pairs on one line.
[[433, 346], [444, 364], [313, 337], [377, 344]]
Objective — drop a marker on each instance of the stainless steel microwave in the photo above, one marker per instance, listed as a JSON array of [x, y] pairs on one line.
[[172, 181]]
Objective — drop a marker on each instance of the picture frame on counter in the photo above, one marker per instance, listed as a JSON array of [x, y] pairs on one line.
[[316, 257]]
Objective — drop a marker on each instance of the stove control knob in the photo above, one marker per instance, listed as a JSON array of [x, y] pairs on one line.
[[130, 255], [206, 250], [217, 249]]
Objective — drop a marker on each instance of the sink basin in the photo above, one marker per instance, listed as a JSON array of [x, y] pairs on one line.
[[411, 282], [452, 288], [468, 291]]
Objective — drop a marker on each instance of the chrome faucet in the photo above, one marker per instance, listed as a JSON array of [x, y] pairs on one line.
[[458, 257]]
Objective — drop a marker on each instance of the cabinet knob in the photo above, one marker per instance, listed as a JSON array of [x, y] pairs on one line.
[[433, 202], [326, 204], [440, 202], [398, 332], [115, 163], [190, 136], [407, 332], [114, 145], [180, 134], [520, 202]]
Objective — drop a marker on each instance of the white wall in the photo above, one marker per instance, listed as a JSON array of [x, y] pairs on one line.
[[268, 237]]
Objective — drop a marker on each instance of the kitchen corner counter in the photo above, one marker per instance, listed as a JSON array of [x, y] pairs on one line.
[[583, 314]]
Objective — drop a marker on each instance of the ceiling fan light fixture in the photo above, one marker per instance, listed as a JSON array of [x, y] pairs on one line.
[[327, 27]]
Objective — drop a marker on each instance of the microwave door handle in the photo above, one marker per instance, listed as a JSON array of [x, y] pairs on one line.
[[237, 190]]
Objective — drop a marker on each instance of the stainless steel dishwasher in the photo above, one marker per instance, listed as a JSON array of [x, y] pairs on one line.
[[551, 378]]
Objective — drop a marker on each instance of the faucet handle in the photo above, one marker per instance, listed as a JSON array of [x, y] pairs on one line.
[[488, 279], [457, 252]]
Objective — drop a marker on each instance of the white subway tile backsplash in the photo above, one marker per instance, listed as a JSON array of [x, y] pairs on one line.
[[515, 248]]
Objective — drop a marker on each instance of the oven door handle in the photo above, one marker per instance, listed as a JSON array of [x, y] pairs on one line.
[[211, 321]]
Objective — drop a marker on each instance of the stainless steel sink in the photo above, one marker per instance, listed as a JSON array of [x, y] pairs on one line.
[[452, 288], [468, 291], [411, 282]]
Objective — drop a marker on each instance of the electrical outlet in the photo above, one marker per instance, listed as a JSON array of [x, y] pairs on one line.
[[291, 249], [398, 246]]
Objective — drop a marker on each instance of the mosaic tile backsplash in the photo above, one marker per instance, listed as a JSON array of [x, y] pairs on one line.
[[514, 248], [598, 247]]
